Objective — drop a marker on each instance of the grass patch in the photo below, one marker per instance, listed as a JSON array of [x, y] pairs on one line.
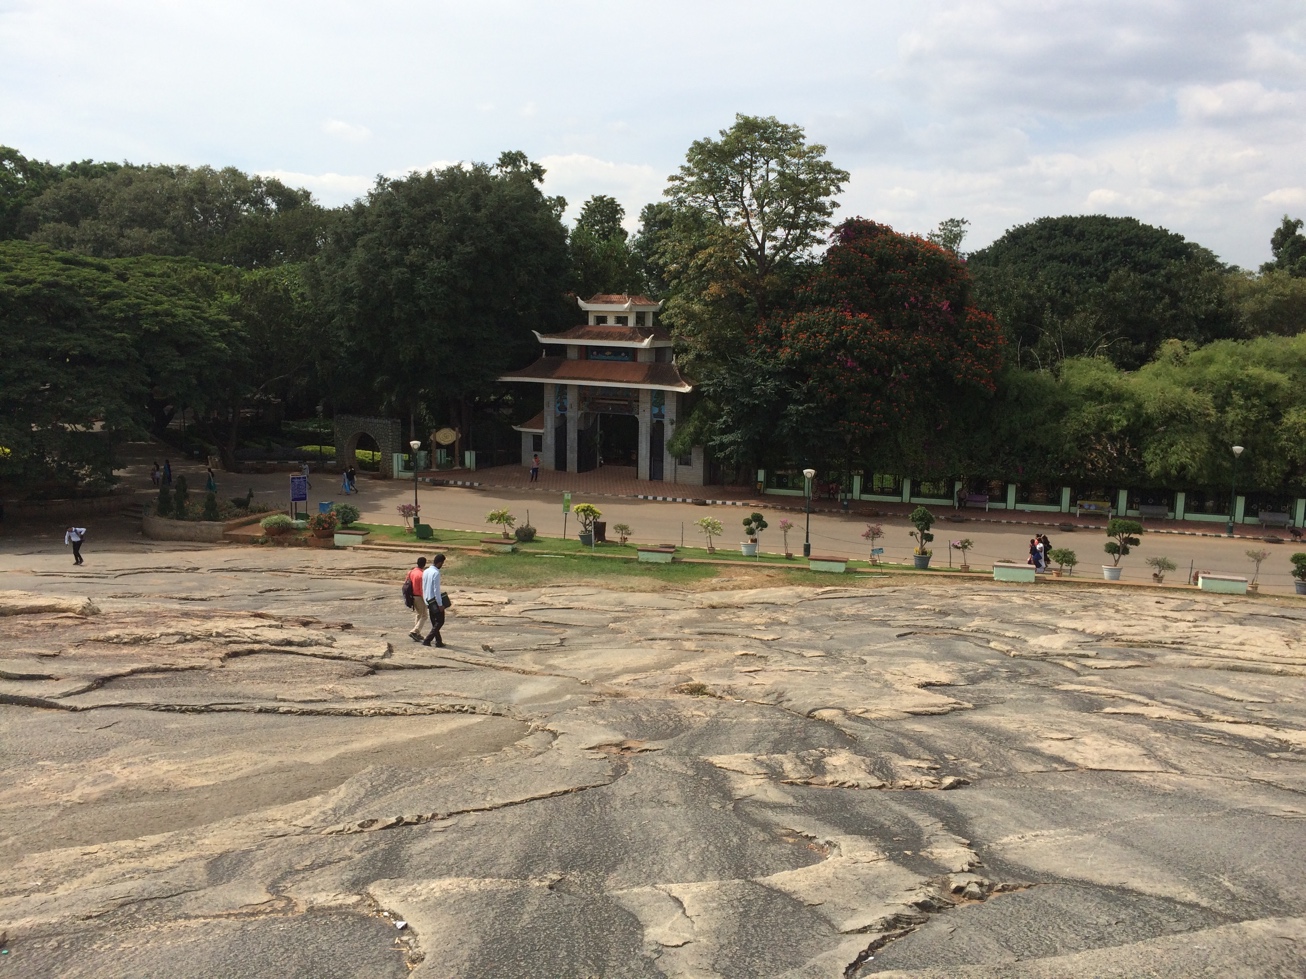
[[525, 570]]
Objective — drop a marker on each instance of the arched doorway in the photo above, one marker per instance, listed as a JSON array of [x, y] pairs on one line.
[[364, 454]]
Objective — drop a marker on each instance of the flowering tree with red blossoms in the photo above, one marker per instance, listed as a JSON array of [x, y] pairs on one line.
[[886, 341]]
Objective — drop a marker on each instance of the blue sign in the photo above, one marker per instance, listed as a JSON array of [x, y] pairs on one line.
[[877, 550], [298, 489]]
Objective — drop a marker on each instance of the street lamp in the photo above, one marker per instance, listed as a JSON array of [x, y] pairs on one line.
[[809, 475], [1233, 489], [415, 445]]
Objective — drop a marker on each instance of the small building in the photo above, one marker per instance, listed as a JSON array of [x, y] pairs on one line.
[[611, 395]]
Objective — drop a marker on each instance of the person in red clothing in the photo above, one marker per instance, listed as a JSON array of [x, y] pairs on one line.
[[423, 622]]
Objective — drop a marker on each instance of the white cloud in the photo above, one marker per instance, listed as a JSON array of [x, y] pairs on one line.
[[329, 188], [578, 176], [346, 131]]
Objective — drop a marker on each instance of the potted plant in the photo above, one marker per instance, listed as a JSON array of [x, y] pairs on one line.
[[623, 532], [587, 513], [1159, 566], [754, 524], [347, 513], [1299, 572], [873, 532], [322, 524], [278, 524], [409, 512], [504, 519], [922, 520], [1124, 535], [1257, 558], [1065, 558], [963, 545], [785, 526], [709, 527]]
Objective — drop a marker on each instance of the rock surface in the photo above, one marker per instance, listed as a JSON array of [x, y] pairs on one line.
[[240, 765]]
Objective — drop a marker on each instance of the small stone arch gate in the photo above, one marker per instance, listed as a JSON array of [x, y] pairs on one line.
[[386, 432]]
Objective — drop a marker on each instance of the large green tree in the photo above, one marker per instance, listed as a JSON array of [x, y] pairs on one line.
[[1289, 247], [433, 284], [1097, 285], [602, 260]]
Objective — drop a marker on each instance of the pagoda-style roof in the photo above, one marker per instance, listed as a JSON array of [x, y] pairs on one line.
[[533, 426], [606, 302], [609, 336], [602, 373]]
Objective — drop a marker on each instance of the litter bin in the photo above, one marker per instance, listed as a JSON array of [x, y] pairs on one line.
[[600, 531], [325, 506]]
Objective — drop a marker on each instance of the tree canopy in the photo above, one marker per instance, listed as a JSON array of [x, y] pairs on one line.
[[1288, 245]]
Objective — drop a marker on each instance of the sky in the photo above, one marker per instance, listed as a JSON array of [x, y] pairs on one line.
[[1188, 114]]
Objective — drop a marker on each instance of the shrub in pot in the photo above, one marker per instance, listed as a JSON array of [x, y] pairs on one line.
[[623, 532], [586, 513], [346, 513], [504, 519], [922, 520], [525, 533], [1124, 535], [1064, 558], [277, 525], [1299, 572], [1159, 566], [322, 524], [709, 527]]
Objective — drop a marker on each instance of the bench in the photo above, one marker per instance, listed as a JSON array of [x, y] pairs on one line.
[[1010, 571], [1093, 506], [654, 555], [975, 499], [1153, 511], [826, 562], [1269, 518], [1224, 584]]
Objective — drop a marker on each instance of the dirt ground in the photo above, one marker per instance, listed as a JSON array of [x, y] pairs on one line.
[[233, 761]]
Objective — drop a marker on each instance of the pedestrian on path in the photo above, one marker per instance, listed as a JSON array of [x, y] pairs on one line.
[[434, 599], [535, 468], [167, 472], [211, 484], [303, 471], [156, 474], [423, 623], [344, 482], [75, 536], [352, 476]]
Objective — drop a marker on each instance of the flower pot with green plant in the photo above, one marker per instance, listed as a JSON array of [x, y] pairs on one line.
[[872, 533], [963, 545], [409, 512], [586, 514], [922, 520], [709, 527], [277, 525], [504, 519], [623, 532], [1160, 566], [323, 524], [1257, 557], [785, 526], [1064, 558], [754, 524], [346, 513], [1124, 536], [1299, 572]]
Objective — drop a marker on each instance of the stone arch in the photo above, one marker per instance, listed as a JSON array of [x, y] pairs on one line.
[[385, 431]]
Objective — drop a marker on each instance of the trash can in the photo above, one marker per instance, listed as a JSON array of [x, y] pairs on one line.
[[325, 506], [600, 531]]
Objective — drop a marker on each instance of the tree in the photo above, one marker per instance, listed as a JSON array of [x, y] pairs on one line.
[[432, 285], [1288, 245], [601, 258], [949, 234], [1100, 286], [1273, 302]]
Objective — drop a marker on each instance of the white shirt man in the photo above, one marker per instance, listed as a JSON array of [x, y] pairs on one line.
[[431, 595], [73, 536]]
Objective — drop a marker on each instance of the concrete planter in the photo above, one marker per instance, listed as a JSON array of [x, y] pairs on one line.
[[498, 545], [1222, 584], [832, 565], [921, 561], [1111, 573], [1007, 571], [654, 555], [748, 548], [349, 538], [204, 531]]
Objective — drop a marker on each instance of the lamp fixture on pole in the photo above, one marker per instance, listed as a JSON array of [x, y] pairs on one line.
[[414, 445], [808, 476], [1233, 489]]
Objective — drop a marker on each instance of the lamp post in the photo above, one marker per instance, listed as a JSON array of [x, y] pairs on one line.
[[414, 445], [808, 475], [1233, 489]]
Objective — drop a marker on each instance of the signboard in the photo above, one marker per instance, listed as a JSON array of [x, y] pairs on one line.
[[877, 551], [566, 503], [298, 489], [445, 436]]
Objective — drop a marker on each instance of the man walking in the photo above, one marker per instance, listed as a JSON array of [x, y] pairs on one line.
[[432, 596], [74, 536], [423, 622]]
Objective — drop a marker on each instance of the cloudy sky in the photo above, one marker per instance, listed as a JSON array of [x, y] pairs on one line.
[[1184, 113]]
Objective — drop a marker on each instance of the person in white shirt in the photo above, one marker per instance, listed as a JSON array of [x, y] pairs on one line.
[[74, 536], [431, 595]]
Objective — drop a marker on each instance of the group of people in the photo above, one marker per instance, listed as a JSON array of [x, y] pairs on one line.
[[161, 477], [1039, 548], [423, 594]]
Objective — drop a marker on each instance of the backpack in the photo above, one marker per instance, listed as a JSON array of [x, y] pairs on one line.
[[408, 592]]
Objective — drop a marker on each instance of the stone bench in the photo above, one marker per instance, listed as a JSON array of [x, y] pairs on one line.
[[828, 563], [1153, 511], [1223, 584], [1269, 518], [1101, 507], [498, 545], [1010, 571], [975, 499], [654, 555]]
